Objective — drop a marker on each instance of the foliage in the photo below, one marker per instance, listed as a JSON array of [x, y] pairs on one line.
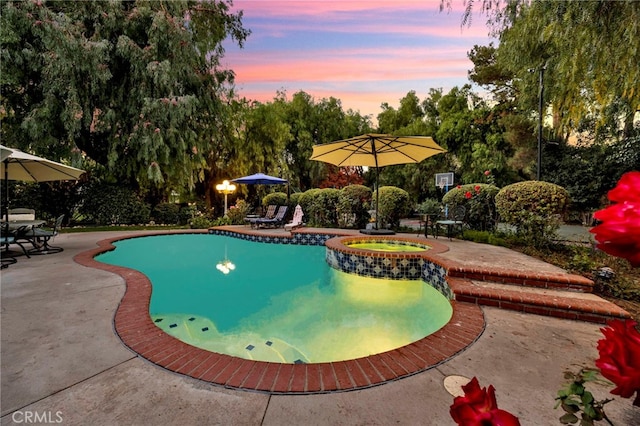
[[574, 398], [107, 204], [48, 199], [306, 200], [323, 210], [478, 199], [394, 204], [238, 212], [131, 85], [353, 206], [484, 237], [275, 198], [534, 208], [200, 222], [430, 206], [167, 213]]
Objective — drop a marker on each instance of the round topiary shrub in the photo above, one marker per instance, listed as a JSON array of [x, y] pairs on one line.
[[353, 206], [275, 198], [478, 199], [394, 205], [534, 208]]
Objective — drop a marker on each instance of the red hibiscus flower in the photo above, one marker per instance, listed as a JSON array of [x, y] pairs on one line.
[[467, 195], [619, 232], [477, 188], [478, 407], [620, 358]]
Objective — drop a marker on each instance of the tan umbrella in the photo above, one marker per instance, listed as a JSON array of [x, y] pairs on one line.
[[18, 165], [377, 150]]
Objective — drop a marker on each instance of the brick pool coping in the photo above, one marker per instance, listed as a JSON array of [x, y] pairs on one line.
[[137, 331]]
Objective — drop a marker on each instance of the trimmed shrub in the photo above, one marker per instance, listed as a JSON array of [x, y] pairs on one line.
[[306, 200], [238, 212], [107, 204], [394, 205], [166, 213], [324, 208], [534, 208], [478, 199], [275, 198], [353, 206]]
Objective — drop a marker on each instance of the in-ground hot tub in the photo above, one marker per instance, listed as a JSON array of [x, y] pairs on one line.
[[392, 257]]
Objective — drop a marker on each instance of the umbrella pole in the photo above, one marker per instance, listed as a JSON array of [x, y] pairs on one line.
[[377, 197]]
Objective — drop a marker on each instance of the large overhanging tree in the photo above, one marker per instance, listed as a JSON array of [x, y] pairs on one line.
[[589, 48], [135, 85]]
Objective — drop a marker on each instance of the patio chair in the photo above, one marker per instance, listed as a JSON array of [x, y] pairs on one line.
[[277, 221], [13, 236], [270, 214], [21, 214], [454, 220], [296, 222], [39, 238]]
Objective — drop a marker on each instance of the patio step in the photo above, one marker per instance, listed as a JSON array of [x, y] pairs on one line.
[[535, 300], [543, 280]]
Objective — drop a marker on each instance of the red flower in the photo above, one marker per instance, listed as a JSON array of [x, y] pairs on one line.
[[478, 407], [619, 232], [620, 357], [467, 195], [627, 189], [458, 186], [487, 172], [477, 188]]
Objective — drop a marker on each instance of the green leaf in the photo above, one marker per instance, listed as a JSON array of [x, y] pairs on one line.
[[568, 419], [571, 408]]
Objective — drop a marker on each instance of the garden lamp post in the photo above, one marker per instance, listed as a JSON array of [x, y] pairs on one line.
[[225, 188]]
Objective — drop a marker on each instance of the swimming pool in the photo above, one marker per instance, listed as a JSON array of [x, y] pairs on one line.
[[279, 303]]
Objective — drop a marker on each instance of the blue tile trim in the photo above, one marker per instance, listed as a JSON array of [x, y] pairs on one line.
[[367, 266]]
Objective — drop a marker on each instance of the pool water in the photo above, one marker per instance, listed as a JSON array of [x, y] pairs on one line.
[[388, 246], [279, 302]]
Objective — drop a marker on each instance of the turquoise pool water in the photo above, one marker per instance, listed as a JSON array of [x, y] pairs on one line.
[[277, 302]]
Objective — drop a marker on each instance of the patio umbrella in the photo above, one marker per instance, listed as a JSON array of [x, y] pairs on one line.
[[376, 150], [18, 165], [260, 179]]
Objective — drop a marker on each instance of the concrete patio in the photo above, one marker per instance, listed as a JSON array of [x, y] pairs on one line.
[[63, 362]]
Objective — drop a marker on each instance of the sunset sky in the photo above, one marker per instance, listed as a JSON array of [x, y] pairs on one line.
[[363, 52]]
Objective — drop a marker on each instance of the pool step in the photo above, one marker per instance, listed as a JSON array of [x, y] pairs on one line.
[[549, 301], [276, 350], [555, 281]]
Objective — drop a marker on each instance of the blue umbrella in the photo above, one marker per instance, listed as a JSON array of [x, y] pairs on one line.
[[260, 179]]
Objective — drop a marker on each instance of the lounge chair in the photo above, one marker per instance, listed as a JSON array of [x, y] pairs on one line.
[[39, 238], [270, 214], [277, 221], [296, 222]]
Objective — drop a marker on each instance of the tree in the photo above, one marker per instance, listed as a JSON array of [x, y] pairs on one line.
[[589, 50], [135, 85]]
